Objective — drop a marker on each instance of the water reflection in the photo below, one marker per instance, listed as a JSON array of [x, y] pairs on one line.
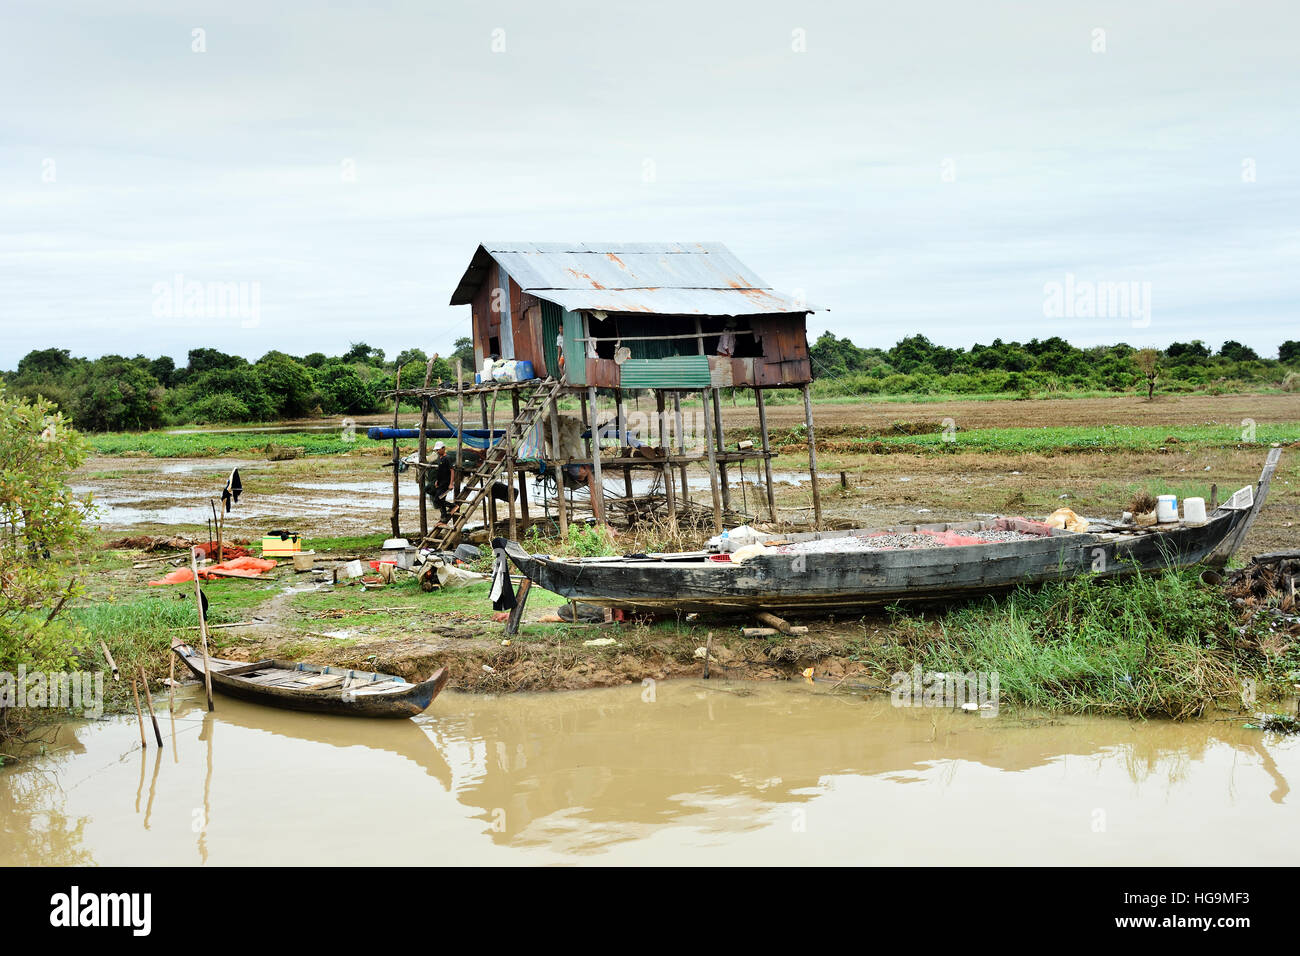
[[743, 771]]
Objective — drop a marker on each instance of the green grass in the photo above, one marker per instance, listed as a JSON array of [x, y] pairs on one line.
[[1077, 438], [163, 444], [1154, 645]]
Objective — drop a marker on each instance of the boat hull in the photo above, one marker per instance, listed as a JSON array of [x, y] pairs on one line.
[[836, 581], [407, 700]]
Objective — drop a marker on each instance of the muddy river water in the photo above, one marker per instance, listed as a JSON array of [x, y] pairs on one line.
[[683, 772]]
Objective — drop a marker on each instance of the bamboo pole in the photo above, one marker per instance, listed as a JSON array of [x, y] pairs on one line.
[[492, 432], [812, 457], [523, 475], [148, 699], [144, 743], [489, 509], [108, 656], [598, 488], [767, 452], [171, 683], [203, 628], [561, 504], [713, 464]]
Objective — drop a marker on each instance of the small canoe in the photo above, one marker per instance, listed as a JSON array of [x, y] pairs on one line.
[[326, 690]]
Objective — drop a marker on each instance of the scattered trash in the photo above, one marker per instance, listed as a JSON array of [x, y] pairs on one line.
[[1067, 519], [280, 544], [235, 568], [600, 642]]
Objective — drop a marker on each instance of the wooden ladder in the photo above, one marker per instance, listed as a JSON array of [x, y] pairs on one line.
[[478, 484]]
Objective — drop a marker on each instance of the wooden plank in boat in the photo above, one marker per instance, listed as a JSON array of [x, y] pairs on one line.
[[240, 669]]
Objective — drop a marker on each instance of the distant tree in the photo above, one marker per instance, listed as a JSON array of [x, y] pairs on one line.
[[406, 356], [342, 390], [1236, 352], [359, 352], [118, 395], [207, 360], [1147, 363], [463, 349], [1193, 349], [163, 368], [1289, 351], [45, 363], [314, 360], [287, 382]]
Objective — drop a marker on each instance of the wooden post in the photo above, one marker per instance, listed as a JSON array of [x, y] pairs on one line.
[[812, 457], [112, 664], [493, 513], [708, 652], [489, 509], [713, 464], [585, 424], [665, 448], [421, 471], [681, 445], [767, 453], [171, 682], [722, 447], [561, 505], [203, 628], [598, 488], [148, 699], [460, 423], [517, 612], [510, 483], [397, 404], [144, 743], [523, 476]]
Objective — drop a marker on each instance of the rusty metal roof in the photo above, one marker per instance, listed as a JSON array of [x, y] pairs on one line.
[[664, 278]]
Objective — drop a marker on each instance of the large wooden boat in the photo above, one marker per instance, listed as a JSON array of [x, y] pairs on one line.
[[830, 580], [326, 690]]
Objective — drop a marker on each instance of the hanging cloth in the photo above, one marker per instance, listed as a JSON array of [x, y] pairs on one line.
[[503, 595], [231, 492]]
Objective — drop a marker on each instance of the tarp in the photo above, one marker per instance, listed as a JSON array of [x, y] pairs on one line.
[[234, 568]]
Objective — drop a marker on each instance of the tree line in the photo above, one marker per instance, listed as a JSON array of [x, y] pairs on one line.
[[115, 393], [915, 365]]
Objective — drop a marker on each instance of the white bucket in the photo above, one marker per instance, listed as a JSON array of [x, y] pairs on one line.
[[1166, 508], [1194, 511]]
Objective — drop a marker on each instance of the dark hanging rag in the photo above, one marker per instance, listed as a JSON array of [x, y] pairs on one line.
[[231, 492], [503, 595]]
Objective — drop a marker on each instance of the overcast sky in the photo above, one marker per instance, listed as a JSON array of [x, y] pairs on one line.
[[920, 167]]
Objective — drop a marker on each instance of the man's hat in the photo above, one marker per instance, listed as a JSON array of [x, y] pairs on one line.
[[438, 445]]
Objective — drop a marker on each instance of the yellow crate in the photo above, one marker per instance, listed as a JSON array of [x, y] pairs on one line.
[[273, 546]]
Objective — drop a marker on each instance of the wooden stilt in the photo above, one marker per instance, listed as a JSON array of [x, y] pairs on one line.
[[767, 452], [722, 447], [489, 506], [420, 473], [560, 504], [812, 457], [523, 476], [681, 445], [460, 424], [713, 464], [397, 404], [665, 448], [598, 482], [171, 683]]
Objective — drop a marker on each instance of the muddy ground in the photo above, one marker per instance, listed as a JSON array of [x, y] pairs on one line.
[[402, 630]]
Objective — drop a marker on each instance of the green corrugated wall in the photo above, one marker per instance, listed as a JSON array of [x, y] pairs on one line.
[[678, 371]]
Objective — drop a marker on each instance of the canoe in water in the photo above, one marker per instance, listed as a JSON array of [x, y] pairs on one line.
[[326, 690]]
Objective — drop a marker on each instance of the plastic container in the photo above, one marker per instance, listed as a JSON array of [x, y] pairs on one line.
[[1194, 511], [1167, 508]]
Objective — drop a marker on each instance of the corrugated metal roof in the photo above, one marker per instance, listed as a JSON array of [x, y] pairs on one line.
[[696, 278]]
